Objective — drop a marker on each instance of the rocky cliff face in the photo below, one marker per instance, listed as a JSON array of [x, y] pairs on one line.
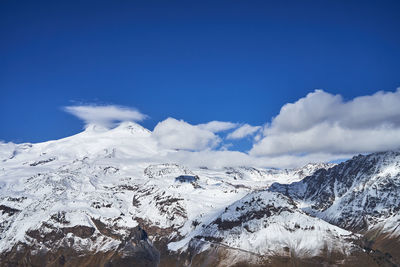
[[360, 195], [265, 224], [355, 195]]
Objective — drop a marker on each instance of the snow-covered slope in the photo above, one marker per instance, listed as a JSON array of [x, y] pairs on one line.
[[267, 224], [356, 194], [108, 195], [361, 195]]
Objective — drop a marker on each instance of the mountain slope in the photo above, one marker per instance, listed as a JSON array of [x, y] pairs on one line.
[[111, 197], [361, 195], [355, 195], [266, 225]]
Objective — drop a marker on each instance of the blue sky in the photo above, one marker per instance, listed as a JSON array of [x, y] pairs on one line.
[[236, 61]]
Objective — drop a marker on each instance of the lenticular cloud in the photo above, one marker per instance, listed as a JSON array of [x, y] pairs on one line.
[[105, 116]]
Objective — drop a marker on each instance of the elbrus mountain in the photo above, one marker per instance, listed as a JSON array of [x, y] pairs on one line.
[[111, 198]]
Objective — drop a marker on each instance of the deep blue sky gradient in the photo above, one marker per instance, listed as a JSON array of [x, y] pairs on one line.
[[199, 61]]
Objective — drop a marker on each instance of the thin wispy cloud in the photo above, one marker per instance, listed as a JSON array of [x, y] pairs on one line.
[[223, 158], [106, 116], [243, 131], [217, 126]]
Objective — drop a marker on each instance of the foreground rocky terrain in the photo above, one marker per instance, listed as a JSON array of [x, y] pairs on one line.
[[110, 198]]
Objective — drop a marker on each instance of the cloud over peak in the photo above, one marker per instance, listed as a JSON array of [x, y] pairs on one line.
[[105, 116]]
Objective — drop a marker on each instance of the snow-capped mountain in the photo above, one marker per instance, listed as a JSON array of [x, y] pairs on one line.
[[111, 197], [265, 225], [361, 195], [355, 195]]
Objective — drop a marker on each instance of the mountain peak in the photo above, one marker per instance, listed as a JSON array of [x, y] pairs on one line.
[[123, 127], [131, 126], [95, 128], [107, 190]]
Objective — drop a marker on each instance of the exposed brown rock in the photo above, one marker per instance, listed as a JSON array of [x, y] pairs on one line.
[[10, 211]]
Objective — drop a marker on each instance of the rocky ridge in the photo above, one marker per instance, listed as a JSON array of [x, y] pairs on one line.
[[107, 198]]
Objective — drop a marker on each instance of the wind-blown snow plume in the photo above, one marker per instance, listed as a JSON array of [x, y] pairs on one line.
[[105, 116]]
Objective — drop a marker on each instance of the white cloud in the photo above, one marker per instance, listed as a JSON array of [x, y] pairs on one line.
[[105, 116], [243, 131], [220, 159], [217, 126], [178, 134], [325, 123], [318, 127]]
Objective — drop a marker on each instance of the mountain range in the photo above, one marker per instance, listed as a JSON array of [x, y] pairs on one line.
[[111, 197]]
